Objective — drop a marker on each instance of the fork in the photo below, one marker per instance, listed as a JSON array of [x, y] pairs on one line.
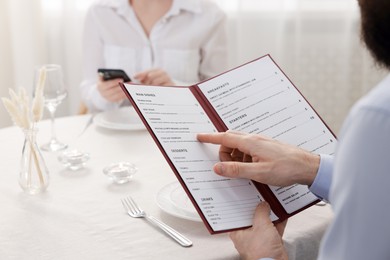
[[89, 122], [134, 211]]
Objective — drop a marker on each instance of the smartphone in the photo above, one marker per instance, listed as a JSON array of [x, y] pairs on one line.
[[108, 74]]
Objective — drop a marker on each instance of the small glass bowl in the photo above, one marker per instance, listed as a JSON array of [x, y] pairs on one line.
[[120, 172], [74, 159]]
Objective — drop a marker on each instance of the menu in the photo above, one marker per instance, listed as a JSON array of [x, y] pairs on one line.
[[256, 97]]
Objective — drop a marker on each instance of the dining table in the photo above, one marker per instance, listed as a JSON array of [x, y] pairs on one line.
[[80, 215]]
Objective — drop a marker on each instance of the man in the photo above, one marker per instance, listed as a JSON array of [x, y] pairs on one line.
[[355, 181]]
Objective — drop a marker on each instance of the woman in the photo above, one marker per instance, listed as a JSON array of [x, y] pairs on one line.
[[156, 42]]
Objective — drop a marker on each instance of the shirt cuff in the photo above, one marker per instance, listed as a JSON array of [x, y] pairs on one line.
[[96, 102], [323, 180]]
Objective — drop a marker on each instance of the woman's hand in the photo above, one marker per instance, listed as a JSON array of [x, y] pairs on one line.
[[110, 89], [156, 77]]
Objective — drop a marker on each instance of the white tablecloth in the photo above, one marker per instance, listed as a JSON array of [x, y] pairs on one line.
[[80, 215]]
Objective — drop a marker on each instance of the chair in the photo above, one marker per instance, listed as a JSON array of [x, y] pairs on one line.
[[83, 109]]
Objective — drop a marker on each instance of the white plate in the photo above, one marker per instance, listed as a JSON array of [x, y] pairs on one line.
[[173, 200], [124, 118]]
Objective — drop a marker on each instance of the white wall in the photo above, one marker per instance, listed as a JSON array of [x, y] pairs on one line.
[[6, 78], [36, 32]]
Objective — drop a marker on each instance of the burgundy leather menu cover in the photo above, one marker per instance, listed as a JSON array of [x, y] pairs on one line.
[[256, 97]]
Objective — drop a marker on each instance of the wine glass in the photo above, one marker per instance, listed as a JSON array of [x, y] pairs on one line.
[[54, 92]]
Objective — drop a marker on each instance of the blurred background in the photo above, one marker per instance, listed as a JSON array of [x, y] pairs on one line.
[[315, 42]]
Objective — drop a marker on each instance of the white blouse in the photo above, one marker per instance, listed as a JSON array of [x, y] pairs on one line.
[[188, 42]]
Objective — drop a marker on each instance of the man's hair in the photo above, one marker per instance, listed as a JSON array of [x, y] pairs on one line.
[[375, 15]]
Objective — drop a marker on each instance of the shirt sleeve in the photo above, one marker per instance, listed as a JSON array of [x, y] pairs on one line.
[[92, 60], [360, 190], [323, 180]]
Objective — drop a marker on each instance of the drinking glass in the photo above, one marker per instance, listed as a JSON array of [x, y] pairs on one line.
[[54, 92]]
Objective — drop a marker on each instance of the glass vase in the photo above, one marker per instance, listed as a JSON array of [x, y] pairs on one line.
[[33, 176]]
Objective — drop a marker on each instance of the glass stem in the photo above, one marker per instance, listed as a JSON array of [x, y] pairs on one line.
[[52, 111]]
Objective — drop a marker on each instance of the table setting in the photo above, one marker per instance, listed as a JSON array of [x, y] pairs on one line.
[[113, 196]]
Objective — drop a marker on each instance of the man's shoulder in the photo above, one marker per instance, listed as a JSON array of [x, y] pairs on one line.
[[378, 98]]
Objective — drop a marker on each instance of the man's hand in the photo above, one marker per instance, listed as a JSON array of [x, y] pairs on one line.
[[262, 159], [263, 239]]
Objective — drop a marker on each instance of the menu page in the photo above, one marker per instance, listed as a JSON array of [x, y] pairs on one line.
[[175, 117], [258, 98]]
